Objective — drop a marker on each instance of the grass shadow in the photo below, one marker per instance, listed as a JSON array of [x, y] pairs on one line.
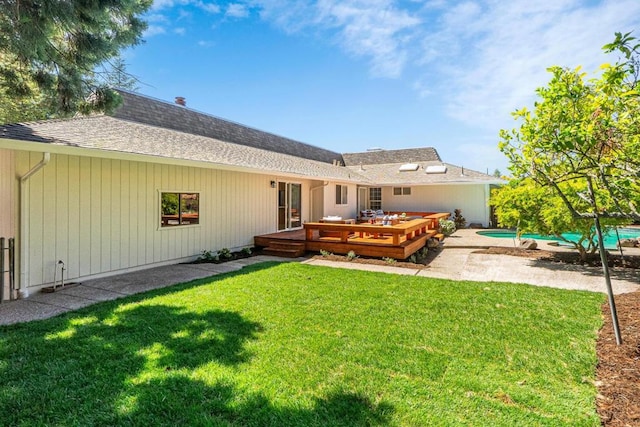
[[219, 404], [123, 363], [96, 357]]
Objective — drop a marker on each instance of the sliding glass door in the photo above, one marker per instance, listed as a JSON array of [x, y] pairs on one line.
[[289, 205]]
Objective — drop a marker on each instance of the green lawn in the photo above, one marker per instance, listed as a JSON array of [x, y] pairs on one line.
[[296, 345]]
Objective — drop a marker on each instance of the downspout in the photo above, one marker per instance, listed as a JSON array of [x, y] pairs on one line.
[[487, 200], [23, 292], [311, 194]]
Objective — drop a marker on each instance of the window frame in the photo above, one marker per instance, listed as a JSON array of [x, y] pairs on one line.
[[401, 191], [182, 222], [342, 195], [375, 203]]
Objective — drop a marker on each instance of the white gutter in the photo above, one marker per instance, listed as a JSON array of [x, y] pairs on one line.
[[311, 191], [23, 292]]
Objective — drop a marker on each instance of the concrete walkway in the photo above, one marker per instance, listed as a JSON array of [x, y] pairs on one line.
[[44, 305], [458, 261]]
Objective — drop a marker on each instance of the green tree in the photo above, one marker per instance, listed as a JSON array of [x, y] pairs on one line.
[[582, 142], [49, 50], [530, 208], [115, 75]]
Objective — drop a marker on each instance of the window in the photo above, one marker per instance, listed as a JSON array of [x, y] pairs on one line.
[[401, 191], [375, 198], [341, 194], [179, 209]]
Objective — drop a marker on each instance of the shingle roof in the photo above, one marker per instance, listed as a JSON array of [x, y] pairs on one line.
[[383, 168], [123, 136], [377, 157], [143, 109], [389, 174], [151, 127]]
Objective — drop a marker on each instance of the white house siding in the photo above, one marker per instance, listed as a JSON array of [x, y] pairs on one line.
[[345, 211], [8, 194], [101, 216], [471, 198]]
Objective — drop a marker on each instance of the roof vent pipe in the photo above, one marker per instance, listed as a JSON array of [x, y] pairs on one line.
[[180, 100]]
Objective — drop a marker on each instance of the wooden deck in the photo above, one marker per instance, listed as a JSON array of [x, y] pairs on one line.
[[397, 241]]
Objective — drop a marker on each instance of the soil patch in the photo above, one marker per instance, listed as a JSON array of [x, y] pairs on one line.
[[618, 371], [422, 263]]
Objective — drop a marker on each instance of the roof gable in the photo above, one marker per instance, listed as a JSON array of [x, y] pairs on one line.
[[146, 110], [379, 157]]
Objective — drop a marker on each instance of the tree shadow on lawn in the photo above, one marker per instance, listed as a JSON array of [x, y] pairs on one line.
[[126, 364], [192, 402]]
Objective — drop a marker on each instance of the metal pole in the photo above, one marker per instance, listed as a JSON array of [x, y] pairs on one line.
[[1, 269], [619, 245], [12, 268], [607, 278]]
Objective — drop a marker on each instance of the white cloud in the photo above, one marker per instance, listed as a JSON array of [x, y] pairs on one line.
[[153, 30], [237, 10], [373, 29], [168, 4], [208, 7], [492, 55], [156, 17], [180, 31], [480, 58]]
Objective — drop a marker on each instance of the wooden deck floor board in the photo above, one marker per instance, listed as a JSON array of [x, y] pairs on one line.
[[380, 247]]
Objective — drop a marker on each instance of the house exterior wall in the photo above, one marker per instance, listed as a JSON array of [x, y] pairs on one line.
[[348, 210], [471, 198], [102, 216], [8, 201], [8, 194]]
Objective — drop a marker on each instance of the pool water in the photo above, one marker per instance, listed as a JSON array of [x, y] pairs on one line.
[[610, 238]]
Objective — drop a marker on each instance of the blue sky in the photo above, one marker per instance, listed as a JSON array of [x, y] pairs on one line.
[[349, 75]]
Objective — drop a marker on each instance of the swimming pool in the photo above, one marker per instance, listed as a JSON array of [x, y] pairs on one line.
[[610, 238]]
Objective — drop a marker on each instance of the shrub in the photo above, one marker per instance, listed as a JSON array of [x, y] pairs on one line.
[[208, 256], [458, 219], [446, 227], [246, 251], [224, 253], [325, 253], [389, 260], [351, 255]]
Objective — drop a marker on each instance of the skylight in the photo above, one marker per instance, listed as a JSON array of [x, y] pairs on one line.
[[409, 167], [436, 169]]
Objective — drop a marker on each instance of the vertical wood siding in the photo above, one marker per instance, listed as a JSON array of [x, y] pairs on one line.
[[441, 198], [101, 215], [8, 194], [350, 210]]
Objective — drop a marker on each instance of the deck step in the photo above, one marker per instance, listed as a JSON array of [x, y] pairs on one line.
[[284, 248], [284, 252], [284, 244], [439, 236]]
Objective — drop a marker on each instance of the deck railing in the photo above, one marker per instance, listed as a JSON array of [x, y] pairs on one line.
[[399, 232]]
